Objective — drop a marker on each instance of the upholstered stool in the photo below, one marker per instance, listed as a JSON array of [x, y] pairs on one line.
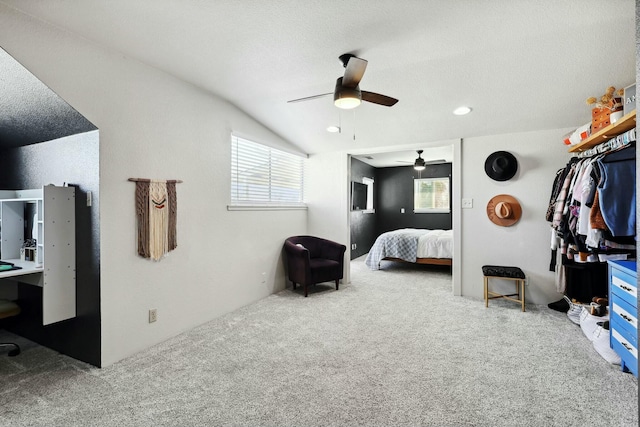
[[507, 273]]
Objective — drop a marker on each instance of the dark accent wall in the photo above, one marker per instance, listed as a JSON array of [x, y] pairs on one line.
[[74, 160], [363, 225], [394, 188]]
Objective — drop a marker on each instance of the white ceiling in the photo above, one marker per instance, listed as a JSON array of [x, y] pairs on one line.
[[440, 154], [521, 65]]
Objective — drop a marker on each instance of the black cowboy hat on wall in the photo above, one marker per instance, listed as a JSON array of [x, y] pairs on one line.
[[501, 166]]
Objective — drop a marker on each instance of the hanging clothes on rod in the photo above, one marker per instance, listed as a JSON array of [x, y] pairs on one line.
[[592, 210]]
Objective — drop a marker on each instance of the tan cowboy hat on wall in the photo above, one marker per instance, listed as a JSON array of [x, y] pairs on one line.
[[504, 210]]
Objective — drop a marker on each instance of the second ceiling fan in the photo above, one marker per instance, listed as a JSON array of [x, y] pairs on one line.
[[347, 93]]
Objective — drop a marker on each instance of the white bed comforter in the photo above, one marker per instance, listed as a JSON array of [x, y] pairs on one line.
[[410, 243], [436, 244]]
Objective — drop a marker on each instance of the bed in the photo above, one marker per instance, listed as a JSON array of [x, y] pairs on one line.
[[414, 245]]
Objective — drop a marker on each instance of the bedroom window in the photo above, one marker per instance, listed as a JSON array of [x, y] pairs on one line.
[[263, 177], [431, 195]]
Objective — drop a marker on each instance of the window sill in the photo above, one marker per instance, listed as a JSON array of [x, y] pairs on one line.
[[369, 211], [428, 211], [266, 207]]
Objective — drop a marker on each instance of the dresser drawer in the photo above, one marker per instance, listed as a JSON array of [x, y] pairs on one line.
[[624, 316], [624, 286], [627, 351]]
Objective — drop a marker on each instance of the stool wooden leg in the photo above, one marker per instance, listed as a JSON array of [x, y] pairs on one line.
[[486, 291], [522, 287]]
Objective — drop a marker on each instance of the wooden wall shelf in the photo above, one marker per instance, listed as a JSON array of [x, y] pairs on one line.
[[625, 123]]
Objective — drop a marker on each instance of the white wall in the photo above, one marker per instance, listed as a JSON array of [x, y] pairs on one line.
[[327, 197], [527, 243], [153, 125]]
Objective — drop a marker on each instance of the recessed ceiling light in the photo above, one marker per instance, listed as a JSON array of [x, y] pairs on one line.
[[461, 111], [333, 129]]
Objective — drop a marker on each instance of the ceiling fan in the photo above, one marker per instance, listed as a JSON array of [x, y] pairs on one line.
[[347, 93], [420, 163]]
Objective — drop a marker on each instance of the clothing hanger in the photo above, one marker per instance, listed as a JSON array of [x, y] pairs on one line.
[[613, 144]]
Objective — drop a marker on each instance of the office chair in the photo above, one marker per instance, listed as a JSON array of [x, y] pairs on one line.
[[9, 309]]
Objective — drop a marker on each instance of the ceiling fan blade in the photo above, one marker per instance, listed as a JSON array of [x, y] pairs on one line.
[[310, 97], [426, 162], [376, 98], [354, 71]]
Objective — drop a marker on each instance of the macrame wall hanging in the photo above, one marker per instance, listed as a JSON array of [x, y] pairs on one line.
[[156, 217]]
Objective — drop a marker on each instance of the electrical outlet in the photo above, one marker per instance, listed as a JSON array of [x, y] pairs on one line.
[[467, 203], [264, 277], [153, 315], [89, 198]]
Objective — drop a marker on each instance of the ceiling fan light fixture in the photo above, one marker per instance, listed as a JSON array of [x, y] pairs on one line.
[[345, 100], [346, 97], [419, 164], [347, 103]]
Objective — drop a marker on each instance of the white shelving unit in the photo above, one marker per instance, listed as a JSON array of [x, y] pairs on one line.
[[54, 265]]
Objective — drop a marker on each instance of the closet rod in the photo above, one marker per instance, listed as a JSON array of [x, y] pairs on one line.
[[619, 141]]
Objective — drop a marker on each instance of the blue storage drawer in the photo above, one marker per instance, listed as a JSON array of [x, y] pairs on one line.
[[627, 351], [623, 313], [624, 318], [624, 286]]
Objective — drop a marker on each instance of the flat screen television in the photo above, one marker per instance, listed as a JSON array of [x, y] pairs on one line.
[[358, 196]]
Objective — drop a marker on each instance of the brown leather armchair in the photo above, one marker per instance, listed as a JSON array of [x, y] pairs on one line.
[[312, 260]]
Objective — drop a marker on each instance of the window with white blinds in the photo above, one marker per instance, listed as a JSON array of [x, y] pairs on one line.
[[261, 175], [431, 195]]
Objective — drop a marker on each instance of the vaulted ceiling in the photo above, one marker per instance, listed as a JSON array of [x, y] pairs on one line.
[[521, 65], [30, 112]]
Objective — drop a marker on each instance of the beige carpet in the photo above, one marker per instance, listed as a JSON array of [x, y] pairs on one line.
[[393, 348]]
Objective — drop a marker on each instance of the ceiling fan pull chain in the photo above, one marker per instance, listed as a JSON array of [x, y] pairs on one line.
[[354, 125]]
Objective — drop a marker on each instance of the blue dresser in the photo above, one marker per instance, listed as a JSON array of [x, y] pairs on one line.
[[623, 312]]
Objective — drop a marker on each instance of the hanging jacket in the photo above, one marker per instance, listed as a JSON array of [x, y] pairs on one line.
[[616, 191]]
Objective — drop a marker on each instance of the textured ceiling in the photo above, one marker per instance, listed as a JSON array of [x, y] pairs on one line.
[[30, 112], [383, 159], [521, 65]]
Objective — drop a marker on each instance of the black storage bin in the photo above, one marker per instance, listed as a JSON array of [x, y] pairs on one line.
[[585, 281]]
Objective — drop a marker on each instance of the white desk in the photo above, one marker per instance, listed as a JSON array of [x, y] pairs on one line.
[[28, 267], [54, 269]]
